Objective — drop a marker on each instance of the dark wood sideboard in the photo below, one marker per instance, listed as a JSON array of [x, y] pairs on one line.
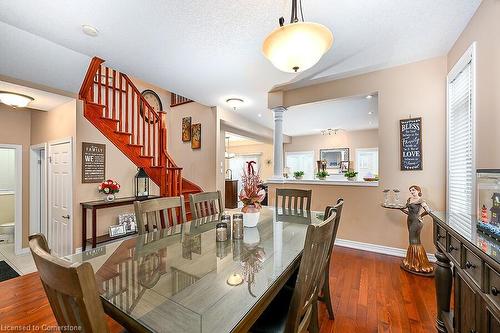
[[469, 261], [231, 194]]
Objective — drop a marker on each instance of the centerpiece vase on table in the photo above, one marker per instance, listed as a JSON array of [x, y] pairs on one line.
[[251, 195], [110, 188]]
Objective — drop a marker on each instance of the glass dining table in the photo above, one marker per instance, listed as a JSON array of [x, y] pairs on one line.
[[181, 279]]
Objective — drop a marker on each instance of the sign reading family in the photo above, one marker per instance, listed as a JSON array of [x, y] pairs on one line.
[[411, 143], [93, 162]]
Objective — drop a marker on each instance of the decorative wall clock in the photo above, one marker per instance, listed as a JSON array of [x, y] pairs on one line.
[[154, 100]]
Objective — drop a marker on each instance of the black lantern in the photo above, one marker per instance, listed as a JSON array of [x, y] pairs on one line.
[[141, 184]]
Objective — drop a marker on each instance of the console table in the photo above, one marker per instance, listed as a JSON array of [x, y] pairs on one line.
[[470, 261], [101, 204]]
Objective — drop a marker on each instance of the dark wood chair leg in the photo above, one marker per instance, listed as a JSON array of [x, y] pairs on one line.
[[314, 324], [327, 299]]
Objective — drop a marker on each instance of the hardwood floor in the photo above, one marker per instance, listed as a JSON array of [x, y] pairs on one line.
[[370, 293]]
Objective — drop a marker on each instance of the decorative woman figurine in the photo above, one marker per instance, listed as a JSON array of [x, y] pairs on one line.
[[416, 258]]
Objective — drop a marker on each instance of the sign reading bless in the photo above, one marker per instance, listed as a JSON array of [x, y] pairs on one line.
[[411, 144]]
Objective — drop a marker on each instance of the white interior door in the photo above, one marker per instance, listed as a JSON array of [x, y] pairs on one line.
[[60, 229]]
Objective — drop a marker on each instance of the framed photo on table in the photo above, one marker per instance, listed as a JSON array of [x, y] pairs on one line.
[[344, 166]]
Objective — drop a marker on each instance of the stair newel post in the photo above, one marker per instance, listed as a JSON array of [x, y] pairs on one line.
[[155, 152]]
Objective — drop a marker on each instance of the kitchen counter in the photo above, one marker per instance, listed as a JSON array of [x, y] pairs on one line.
[[336, 182]]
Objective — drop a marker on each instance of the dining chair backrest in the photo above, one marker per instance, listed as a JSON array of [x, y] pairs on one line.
[[71, 290], [293, 199], [312, 265], [337, 209], [158, 214], [205, 204]]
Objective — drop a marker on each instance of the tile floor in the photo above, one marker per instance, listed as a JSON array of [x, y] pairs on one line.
[[23, 263]]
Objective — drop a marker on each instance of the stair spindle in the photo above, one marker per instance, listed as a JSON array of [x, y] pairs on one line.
[[120, 104], [113, 114], [106, 92], [126, 108]]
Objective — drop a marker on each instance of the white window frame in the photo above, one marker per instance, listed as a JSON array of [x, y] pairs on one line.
[[468, 56], [360, 150], [300, 153]]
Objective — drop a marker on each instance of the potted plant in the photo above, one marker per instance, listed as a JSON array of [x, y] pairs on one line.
[[298, 175], [109, 187], [322, 174], [351, 175], [251, 196]]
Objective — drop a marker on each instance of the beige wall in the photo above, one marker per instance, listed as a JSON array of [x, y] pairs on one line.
[[343, 139], [266, 151], [7, 208], [484, 29], [56, 124], [15, 129], [199, 165], [417, 89]]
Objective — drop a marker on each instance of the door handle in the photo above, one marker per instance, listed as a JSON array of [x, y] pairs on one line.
[[66, 216]]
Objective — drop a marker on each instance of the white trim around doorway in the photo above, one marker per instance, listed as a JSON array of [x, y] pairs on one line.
[[35, 198], [18, 214]]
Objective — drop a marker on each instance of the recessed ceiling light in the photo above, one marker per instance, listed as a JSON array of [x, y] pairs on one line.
[[234, 102], [369, 97], [14, 99], [370, 112], [89, 30], [260, 115]]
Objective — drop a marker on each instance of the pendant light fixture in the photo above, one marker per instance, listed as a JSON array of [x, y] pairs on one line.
[[14, 99], [227, 154], [297, 46]]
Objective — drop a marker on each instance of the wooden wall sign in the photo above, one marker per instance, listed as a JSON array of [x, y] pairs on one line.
[[411, 144], [93, 162]]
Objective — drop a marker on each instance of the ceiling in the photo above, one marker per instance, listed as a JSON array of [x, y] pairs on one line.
[[43, 100], [211, 50], [349, 114]]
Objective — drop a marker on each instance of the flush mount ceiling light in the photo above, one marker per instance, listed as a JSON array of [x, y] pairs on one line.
[[89, 30], [14, 99], [297, 46], [369, 97], [234, 102]]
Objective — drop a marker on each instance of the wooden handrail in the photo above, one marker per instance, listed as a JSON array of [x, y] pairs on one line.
[[95, 63]]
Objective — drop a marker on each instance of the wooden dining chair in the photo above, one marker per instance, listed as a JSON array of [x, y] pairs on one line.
[[205, 204], [295, 309], [293, 199], [71, 290], [325, 296], [159, 214]]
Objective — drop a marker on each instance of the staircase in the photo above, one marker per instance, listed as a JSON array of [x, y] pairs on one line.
[[114, 105]]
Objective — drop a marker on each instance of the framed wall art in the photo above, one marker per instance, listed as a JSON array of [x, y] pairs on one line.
[[411, 144], [186, 129], [334, 158], [196, 136]]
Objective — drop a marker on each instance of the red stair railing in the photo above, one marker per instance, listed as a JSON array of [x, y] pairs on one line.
[[146, 128]]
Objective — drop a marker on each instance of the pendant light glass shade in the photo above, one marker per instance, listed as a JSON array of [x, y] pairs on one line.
[[298, 46]]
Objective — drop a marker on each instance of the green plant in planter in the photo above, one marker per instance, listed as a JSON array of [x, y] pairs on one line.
[[351, 174], [298, 174], [322, 174]]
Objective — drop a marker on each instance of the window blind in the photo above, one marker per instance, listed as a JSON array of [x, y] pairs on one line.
[[460, 143]]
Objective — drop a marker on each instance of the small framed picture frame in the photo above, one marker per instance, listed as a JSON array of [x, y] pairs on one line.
[[117, 230], [128, 220], [344, 166]]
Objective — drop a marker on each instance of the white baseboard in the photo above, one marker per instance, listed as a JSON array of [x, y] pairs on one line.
[[392, 251]]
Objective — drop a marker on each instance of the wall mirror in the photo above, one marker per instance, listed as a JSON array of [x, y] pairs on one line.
[[334, 157]]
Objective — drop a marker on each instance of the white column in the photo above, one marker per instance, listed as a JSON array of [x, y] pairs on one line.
[[278, 142]]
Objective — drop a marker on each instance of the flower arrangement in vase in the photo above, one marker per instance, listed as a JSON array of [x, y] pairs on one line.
[[109, 187], [251, 195]]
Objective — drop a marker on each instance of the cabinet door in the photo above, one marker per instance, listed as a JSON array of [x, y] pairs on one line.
[[490, 323], [465, 306]]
